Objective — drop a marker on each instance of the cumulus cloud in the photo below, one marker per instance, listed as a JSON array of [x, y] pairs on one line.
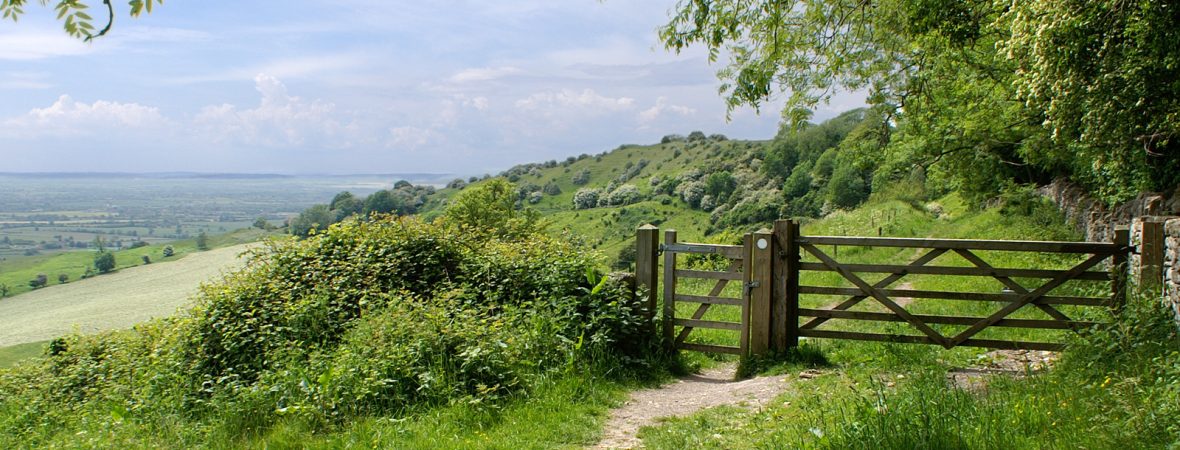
[[483, 74], [280, 119], [663, 109], [67, 116]]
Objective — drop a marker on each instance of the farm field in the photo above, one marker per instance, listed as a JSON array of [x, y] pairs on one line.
[[117, 300]]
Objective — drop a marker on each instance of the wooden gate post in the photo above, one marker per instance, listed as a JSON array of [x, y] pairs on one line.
[[669, 289], [785, 295], [1151, 253], [647, 250], [760, 287], [1118, 268]]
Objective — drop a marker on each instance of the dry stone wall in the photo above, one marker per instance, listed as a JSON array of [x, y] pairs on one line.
[[1171, 269]]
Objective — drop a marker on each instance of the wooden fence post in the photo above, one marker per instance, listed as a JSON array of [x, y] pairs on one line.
[[647, 249], [1151, 253], [1118, 268], [669, 289], [785, 327], [761, 285]]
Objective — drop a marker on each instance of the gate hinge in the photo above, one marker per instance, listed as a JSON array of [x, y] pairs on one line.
[[750, 287]]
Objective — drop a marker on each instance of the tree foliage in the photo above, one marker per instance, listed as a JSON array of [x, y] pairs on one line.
[[74, 17], [977, 93], [104, 261], [491, 209]]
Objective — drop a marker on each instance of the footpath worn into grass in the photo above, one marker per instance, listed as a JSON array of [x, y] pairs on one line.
[[112, 301]]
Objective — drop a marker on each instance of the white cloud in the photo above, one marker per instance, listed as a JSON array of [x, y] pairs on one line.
[[483, 74], [279, 120], [24, 80], [662, 108], [286, 68], [586, 101], [39, 45], [412, 137], [69, 117]]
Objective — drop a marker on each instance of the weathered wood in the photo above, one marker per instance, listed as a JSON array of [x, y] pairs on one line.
[[986, 343], [1026, 299], [647, 275], [857, 298], [949, 295], [729, 251], [669, 287], [747, 270], [1151, 254], [712, 324], [1010, 283], [1118, 268], [946, 320], [761, 284], [971, 244], [709, 275], [713, 300], [709, 348], [962, 271], [784, 294], [704, 307], [873, 292]]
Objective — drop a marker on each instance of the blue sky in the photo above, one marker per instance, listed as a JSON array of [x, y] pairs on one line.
[[364, 86]]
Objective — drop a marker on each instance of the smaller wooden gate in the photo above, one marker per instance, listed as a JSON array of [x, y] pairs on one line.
[[737, 270]]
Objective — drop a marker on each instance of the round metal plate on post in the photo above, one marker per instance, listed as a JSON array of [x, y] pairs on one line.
[[762, 244]]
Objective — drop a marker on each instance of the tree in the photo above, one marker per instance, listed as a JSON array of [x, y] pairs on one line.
[[582, 177], [202, 241], [39, 282], [261, 224], [104, 261], [491, 208], [982, 93], [317, 217], [586, 198], [63, 278], [4, 290], [720, 185], [168, 251], [76, 21]]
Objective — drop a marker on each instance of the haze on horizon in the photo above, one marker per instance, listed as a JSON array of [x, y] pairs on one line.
[[358, 87]]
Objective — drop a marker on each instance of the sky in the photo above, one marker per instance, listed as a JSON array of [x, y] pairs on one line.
[[364, 86]]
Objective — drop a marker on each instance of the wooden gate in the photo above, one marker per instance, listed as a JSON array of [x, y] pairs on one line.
[[771, 264], [737, 270]]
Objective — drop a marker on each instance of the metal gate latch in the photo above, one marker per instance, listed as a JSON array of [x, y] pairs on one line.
[[750, 287]]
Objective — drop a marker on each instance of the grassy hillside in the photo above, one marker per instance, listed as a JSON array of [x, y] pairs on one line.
[[118, 300], [16, 272]]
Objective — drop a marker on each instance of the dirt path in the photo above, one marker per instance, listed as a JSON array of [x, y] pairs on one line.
[[117, 300], [714, 387]]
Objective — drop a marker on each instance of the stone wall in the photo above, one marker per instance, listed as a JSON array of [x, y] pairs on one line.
[[1171, 267], [1096, 220]]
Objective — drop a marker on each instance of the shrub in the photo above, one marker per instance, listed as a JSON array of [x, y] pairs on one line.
[[624, 195], [168, 251], [39, 281], [586, 198], [581, 177], [63, 278], [104, 261]]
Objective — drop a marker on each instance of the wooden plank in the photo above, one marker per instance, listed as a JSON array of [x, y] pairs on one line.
[[1118, 268], [729, 251], [962, 271], [858, 297], [761, 283], [710, 275], [708, 348], [947, 295], [875, 293], [1010, 283], [987, 343], [647, 275], [711, 324], [947, 320], [669, 287], [1026, 299], [704, 307], [1151, 254], [713, 300], [972, 244], [784, 296]]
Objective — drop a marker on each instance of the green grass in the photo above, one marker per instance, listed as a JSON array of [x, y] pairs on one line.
[[1116, 387], [17, 272], [13, 354]]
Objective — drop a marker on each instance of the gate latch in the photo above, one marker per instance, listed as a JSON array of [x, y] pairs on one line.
[[750, 287]]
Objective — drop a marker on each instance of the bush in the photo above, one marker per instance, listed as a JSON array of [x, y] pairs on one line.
[[581, 177], [586, 198], [63, 278], [39, 281], [168, 251], [624, 195]]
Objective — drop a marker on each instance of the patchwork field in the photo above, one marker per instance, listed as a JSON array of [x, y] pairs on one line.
[[117, 300]]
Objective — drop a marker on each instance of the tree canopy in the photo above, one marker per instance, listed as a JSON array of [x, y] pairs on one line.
[[982, 93]]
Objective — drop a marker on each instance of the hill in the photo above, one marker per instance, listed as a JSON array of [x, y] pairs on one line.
[[118, 300]]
